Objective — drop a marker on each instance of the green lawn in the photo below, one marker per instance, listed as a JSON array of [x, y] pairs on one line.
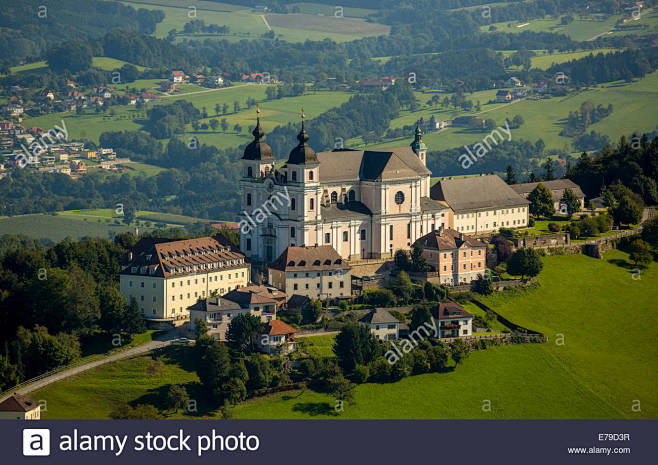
[[104, 63], [93, 394], [608, 320], [545, 61], [317, 346]]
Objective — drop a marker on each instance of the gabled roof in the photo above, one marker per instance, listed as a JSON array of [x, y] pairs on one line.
[[479, 192], [448, 239], [251, 295], [278, 328], [450, 310], [429, 205], [370, 165], [346, 211], [318, 258], [166, 257], [379, 316], [17, 403], [556, 187]]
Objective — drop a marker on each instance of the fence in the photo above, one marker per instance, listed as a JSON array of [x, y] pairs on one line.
[[86, 361], [505, 337]]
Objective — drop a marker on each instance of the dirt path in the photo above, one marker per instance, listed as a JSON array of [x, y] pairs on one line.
[[269, 28], [208, 90]]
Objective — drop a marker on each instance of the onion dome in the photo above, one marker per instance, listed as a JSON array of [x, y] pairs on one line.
[[302, 154], [258, 149], [417, 145]]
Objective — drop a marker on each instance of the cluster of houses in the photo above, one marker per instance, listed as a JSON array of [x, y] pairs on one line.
[[66, 157]]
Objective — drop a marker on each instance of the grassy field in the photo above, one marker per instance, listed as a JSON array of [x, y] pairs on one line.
[[87, 223], [633, 110], [608, 322], [317, 346], [547, 60], [580, 29], [273, 113], [245, 23], [105, 63], [600, 358]]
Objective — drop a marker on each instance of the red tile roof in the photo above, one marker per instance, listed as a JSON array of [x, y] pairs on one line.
[[448, 239], [278, 328]]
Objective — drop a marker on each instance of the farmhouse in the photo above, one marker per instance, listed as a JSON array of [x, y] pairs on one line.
[[513, 82], [458, 258], [557, 188], [315, 272], [167, 276], [177, 76], [482, 204], [503, 96]]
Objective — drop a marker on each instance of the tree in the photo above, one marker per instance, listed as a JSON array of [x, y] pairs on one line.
[[234, 391], [225, 109], [627, 211], [483, 285], [570, 200], [213, 365], [438, 358], [549, 171], [419, 262], [378, 297], [311, 313], [224, 125], [342, 389], [524, 262], [503, 249], [73, 56], [517, 121], [403, 287], [133, 321], [459, 350], [129, 213], [402, 261], [259, 370], [355, 345], [139, 412], [218, 109], [200, 328], [490, 124], [541, 201], [243, 332], [214, 124], [510, 178], [236, 106], [176, 397], [650, 232], [420, 316], [640, 253]]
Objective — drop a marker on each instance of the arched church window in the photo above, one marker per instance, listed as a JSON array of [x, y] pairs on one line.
[[334, 197], [310, 175]]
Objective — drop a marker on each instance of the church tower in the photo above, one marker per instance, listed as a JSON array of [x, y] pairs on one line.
[[257, 166], [419, 147]]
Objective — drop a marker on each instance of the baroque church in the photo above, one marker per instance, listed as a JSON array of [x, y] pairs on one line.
[[364, 203]]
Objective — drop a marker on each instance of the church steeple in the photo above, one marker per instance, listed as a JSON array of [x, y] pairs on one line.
[[418, 146], [258, 149], [303, 153]]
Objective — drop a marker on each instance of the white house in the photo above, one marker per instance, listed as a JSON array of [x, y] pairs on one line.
[[382, 324], [454, 321]]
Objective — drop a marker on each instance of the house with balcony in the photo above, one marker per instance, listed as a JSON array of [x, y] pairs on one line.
[[277, 337], [453, 320]]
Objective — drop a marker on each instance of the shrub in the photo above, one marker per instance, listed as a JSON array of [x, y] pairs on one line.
[[380, 370], [554, 227], [360, 374], [531, 222]]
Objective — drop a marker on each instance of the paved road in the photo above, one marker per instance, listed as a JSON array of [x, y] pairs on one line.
[[140, 349]]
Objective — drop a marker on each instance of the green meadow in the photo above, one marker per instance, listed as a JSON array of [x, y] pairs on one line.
[[633, 111], [88, 223], [600, 359], [313, 23]]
